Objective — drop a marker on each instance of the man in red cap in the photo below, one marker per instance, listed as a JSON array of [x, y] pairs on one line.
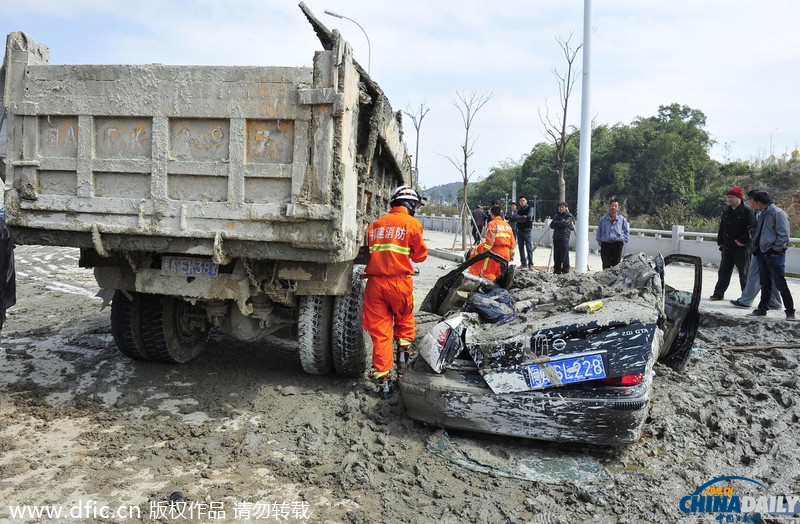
[[733, 238]]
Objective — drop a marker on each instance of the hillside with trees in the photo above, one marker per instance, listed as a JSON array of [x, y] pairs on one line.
[[658, 167]]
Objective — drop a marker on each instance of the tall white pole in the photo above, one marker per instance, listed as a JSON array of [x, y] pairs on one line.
[[584, 166]]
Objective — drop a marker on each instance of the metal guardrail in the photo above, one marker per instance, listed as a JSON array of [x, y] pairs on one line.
[[650, 241]]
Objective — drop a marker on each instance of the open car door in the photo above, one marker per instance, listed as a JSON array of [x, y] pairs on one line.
[[681, 307]]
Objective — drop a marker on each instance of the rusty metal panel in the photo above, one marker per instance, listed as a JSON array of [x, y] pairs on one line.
[[123, 138], [199, 139], [270, 142], [58, 137]]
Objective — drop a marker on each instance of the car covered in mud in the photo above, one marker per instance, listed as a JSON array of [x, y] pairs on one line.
[[565, 358]]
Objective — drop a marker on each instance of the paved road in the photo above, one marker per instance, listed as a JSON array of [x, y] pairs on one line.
[[442, 245]]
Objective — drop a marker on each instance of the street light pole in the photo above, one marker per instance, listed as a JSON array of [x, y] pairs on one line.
[[369, 46]]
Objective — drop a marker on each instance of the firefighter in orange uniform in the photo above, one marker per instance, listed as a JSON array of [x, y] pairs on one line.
[[394, 241], [499, 239]]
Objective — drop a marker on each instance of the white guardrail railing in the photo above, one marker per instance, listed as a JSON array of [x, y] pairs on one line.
[[650, 241]]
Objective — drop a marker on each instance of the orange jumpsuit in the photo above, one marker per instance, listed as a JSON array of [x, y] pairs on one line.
[[394, 240], [499, 239]]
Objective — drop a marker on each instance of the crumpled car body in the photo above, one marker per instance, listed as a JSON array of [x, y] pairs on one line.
[[553, 373]]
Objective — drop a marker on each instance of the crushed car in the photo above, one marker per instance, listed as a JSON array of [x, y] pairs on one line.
[[566, 358]]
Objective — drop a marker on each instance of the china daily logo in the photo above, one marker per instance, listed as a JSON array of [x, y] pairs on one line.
[[738, 499]]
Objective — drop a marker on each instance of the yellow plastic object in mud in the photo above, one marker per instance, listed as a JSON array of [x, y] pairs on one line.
[[588, 307]]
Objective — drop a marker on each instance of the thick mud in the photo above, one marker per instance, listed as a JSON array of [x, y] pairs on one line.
[[241, 430]]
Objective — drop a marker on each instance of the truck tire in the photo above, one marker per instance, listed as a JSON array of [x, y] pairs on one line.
[[314, 334], [352, 345], [126, 325], [168, 330]]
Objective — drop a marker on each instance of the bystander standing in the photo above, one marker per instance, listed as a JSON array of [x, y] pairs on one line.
[[524, 233], [612, 235], [753, 285], [562, 225], [733, 238], [771, 240], [478, 222]]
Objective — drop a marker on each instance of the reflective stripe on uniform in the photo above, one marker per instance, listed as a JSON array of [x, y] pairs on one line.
[[390, 247]]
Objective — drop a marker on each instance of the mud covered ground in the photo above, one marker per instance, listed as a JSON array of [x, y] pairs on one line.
[[242, 430]]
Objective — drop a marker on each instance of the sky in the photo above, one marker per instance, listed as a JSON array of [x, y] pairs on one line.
[[737, 61]]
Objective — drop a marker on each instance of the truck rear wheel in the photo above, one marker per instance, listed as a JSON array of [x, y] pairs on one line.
[[174, 331], [126, 324], [314, 334], [352, 346]]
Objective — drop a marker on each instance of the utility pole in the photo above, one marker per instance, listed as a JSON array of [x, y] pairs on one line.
[[582, 229]]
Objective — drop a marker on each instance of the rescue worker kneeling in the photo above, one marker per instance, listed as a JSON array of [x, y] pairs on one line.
[[500, 240], [394, 241]]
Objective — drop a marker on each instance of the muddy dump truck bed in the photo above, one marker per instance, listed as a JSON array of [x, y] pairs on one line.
[[282, 163], [228, 197]]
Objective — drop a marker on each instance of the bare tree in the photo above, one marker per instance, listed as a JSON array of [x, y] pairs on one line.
[[468, 105], [557, 130], [416, 117]]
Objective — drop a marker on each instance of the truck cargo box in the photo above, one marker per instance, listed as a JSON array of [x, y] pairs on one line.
[[244, 186]]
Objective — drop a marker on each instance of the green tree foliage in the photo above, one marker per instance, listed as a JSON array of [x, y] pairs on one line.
[[539, 179], [659, 160], [658, 167], [497, 186]]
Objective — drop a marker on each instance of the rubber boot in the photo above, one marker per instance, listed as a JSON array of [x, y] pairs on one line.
[[384, 387], [403, 355]]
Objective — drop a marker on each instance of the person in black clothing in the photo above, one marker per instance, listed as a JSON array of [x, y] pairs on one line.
[[562, 226], [524, 232], [733, 238], [478, 222]]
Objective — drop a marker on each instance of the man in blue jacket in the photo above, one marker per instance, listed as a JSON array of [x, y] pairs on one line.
[[770, 241], [612, 235]]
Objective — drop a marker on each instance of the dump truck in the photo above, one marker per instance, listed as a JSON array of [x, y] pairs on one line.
[[233, 198]]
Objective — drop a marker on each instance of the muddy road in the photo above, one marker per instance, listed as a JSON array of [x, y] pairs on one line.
[[241, 434]]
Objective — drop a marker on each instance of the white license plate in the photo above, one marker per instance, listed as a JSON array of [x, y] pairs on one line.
[[567, 371], [189, 267]]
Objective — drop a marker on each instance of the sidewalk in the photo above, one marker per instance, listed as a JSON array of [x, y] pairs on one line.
[[441, 245]]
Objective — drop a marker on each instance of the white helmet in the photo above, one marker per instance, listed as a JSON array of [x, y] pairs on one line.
[[407, 193], [406, 196]]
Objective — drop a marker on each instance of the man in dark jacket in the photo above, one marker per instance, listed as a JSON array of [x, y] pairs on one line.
[[524, 233], [562, 225], [478, 222], [733, 238]]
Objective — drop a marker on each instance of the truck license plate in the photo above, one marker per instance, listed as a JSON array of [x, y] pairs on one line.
[[189, 267], [569, 370]]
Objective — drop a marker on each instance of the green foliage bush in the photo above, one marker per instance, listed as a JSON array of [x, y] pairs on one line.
[[658, 167]]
